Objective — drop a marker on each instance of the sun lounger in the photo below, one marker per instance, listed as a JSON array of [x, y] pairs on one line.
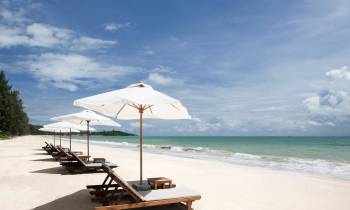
[[115, 193], [51, 149], [64, 154], [47, 146], [78, 165], [56, 151]]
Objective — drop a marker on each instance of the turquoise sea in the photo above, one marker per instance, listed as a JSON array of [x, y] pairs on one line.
[[318, 155]]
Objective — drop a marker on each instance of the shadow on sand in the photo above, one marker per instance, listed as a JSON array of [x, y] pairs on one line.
[[54, 170], [40, 154], [38, 149], [45, 159], [63, 171], [80, 200]]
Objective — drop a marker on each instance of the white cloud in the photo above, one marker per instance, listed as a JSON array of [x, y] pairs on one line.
[[341, 73], [116, 26], [69, 71], [163, 69], [137, 125], [47, 36], [17, 16], [329, 102], [65, 85], [178, 41], [157, 78], [163, 76], [331, 106], [88, 43], [148, 52], [330, 124], [270, 109], [314, 123], [12, 36], [17, 12], [212, 125], [328, 108], [312, 103], [43, 35], [18, 29], [319, 124]]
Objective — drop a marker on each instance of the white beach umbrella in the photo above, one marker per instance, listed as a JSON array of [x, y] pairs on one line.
[[57, 130], [87, 118], [67, 126], [51, 130], [137, 101]]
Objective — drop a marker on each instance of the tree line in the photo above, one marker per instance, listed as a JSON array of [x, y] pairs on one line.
[[13, 119]]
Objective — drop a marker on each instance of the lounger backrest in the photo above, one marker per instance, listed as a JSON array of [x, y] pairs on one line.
[[59, 148], [63, 151], [54, 148], [125, 185], [77, 158]]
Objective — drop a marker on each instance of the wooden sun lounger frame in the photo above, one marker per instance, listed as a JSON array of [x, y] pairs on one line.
[[76, 165], [47, 146], [66, 156], [122, 189], [52, 150]]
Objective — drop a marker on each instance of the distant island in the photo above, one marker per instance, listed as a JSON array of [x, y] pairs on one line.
[[34, 130], [112, 133]]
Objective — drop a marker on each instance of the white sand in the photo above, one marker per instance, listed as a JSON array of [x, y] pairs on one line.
[[30, 180]]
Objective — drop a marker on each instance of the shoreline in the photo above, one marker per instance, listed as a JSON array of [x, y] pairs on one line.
[[26, 170], [318, 167]]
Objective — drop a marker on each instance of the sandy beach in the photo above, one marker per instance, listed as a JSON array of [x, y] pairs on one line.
[[30, 179]]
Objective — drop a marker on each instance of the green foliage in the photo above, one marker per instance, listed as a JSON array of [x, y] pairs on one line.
[[13, 120], [4, 137], [34, 130]]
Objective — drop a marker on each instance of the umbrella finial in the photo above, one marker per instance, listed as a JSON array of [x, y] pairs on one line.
[[139, 85]]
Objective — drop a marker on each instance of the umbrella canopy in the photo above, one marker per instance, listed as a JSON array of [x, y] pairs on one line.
[[67, 126], [137, 101], [126, 103], [87, 118], [87, 115], [58, 130]]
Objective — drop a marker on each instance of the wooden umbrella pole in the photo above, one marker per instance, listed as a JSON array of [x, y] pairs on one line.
[[141, 112], [70, 139], [60, 139], [88, 139]]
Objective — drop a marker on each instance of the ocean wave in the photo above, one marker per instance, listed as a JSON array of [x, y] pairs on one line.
[[246, 156], [319, 166], [315, 166]]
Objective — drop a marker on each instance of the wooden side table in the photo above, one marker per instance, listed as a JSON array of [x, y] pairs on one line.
[[160, 183]]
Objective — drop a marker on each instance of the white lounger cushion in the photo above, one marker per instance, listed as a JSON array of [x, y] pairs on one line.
[[159, 194], [166, 193]]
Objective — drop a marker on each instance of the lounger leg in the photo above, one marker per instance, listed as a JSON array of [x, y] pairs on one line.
[[189, 205], [105, 180]]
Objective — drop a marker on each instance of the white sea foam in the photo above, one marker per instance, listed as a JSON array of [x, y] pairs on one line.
[[246, 156], [315, 166]]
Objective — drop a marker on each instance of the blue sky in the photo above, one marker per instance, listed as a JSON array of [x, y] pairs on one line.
[[241, 68]]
